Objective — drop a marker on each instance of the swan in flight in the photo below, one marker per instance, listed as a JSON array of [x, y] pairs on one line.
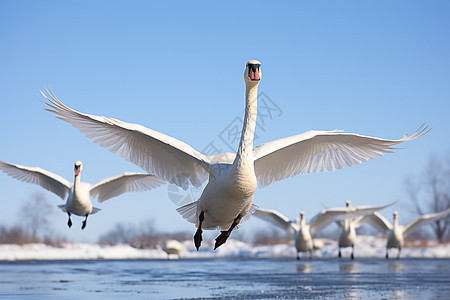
[[304, 232], [397, 232], [227, 198], [78, 202]]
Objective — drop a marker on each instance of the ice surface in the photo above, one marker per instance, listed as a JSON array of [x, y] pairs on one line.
[[366, 246]]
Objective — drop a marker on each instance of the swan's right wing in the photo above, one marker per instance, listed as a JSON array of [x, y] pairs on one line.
[[49, 181], [154, 152], [325, 217], [127, 182], [425, 219], [379, 222], [319, 151], [276, 218]]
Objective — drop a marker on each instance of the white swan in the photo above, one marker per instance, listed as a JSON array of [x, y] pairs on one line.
[[304, 232], [78, 202], [348, 226], [397, 232], [227, 198]]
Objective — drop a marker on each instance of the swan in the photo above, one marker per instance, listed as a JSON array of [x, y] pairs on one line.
[[227, 198], [348, 226], [304, 231], [78, 200], [397, 232], [172, 247]]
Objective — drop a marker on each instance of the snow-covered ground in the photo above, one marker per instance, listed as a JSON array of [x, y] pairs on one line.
[[366, 246]]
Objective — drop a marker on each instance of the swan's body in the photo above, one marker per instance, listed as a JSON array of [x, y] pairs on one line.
[[78, 199], [173, 247], [396, 232], [304, 232], [232, 177], [348, 226]]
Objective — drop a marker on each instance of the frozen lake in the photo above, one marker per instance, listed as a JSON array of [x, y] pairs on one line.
[[227, 278]]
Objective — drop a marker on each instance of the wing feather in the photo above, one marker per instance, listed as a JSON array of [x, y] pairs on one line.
[[276, 218], [154, 152], [326, 216], [379, 222], [425, 219], [320, 151], [49, 181], [127, 182]]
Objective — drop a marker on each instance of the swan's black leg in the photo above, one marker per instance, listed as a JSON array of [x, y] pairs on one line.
[[222, 238], [353, 249], [298, 255], [339, 255], [69, 223], [387, 253], [198, 233], [84, 222]]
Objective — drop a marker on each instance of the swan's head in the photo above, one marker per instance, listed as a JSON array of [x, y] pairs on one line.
[[395, 215], [252, 73], [302, 215], [78, 167], [348, 203]]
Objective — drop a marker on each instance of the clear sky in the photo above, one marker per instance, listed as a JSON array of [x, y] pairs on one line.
[[379, 68]]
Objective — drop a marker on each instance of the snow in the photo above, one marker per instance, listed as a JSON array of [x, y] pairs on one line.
[[366, 246]]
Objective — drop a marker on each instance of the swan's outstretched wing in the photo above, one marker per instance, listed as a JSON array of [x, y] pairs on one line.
[[319, 151], [49, 181], [326, 216], [276, 218], [379, 222], [127, 182], [156, 153], [425, 219]]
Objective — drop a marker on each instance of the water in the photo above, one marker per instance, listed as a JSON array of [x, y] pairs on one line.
[[227, 278]]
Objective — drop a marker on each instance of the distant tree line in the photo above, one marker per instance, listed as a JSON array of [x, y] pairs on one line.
[[34, 225], [144, 235]]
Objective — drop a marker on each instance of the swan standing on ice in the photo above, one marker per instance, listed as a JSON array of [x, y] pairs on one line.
[[78, 202], [397, 232], [303, 232], [232, 177], [348, 226]]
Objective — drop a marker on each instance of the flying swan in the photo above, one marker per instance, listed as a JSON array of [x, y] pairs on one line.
[[397, 232], [227, 198], [304, 232], [78, 202]]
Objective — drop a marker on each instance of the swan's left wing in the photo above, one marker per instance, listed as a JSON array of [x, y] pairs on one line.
[[156, 153], [319, 151], [48, 180], [325, 217], [276, 218], [425, 219], [127, 182]]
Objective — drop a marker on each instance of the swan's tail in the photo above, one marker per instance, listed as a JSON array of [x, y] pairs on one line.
[[95, 210], [62, 207], [189, 212]]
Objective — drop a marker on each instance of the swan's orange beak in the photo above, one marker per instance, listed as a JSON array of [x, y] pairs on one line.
[[253, 72]]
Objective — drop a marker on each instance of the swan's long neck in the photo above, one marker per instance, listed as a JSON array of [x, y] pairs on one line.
[[395, 225], [245, 150], [76, 181]]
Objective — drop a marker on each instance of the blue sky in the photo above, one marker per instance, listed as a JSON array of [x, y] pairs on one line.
[[374, 68]]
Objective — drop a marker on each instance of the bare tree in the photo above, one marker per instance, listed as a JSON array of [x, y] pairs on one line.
[[35, 215], [430, 193]]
